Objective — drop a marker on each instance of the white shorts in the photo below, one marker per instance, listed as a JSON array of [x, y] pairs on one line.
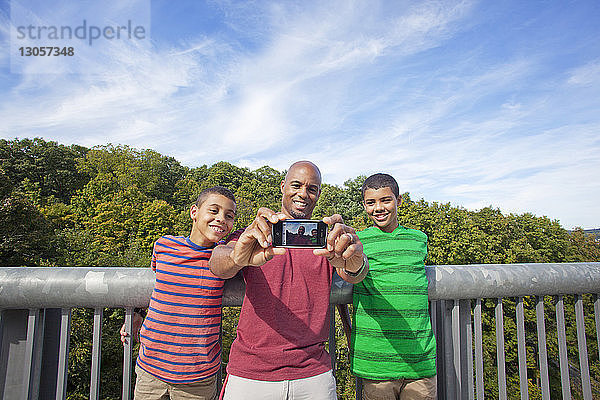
[[318, 387]]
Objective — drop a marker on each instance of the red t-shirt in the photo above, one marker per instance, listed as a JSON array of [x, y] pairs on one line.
[[284, 322]]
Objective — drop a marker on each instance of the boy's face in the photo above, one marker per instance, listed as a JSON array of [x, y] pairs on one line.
[[212, 220], [382, 207]]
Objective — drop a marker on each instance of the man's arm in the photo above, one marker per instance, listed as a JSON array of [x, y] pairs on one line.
[[356, 276], [254, 247]]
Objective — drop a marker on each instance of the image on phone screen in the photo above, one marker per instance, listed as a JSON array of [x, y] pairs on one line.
[[300, 233]]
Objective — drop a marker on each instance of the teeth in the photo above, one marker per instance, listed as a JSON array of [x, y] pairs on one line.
[[216, 228]]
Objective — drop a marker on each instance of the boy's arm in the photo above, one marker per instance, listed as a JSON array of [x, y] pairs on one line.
[[221, 264], [136, 326], [138, 313], [253, 247]]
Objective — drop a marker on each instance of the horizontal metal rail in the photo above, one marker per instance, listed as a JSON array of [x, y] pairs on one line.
[[70, 287]]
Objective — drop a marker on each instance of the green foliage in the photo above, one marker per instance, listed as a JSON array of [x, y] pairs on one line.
[[73, 206], [51, 166], [26, 236]]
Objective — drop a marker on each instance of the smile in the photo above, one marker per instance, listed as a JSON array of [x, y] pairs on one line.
[[300, 204], [381, 217], [217, 229]]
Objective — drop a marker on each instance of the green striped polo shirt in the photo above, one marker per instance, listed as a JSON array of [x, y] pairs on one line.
[[392, 336]]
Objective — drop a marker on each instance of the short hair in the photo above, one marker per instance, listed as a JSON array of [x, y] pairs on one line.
[[223, 191], [378, 181]]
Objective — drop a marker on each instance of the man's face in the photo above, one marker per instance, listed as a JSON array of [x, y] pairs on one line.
[[301, 189], [382, 207], [301, 230]]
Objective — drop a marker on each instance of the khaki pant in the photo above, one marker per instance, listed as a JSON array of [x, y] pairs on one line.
[[400, 389], [148, 387], [318, 387]]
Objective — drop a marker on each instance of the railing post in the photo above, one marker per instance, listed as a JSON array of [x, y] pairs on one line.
[[542, 351], [467, 349], [456, 341], [562, 348], [63, 354], [450, 378], [332, 344], [128, 355], [33, 353], [521, 352], [582, 346], [500, 357], [462, 348], [1, 329], [96, 355], [597, 320], [478, 350]]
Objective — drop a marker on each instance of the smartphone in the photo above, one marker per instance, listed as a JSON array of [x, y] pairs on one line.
[[300, 233]]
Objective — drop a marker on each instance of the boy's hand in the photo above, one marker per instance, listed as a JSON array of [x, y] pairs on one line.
[[344, 250], [255, 245], [136, 326]]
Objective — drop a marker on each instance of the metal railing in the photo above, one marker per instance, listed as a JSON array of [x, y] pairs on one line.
[[36, 306]]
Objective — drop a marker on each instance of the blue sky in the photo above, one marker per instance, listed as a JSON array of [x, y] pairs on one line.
[[473, 103]]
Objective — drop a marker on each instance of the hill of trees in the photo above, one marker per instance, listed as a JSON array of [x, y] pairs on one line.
[[105, 206]]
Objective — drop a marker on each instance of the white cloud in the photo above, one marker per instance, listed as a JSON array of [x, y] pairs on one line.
[[585, 75]]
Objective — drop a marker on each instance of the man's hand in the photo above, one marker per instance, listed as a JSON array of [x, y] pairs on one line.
[[137, 325], [344, 249], [253, 247], [255, 244]]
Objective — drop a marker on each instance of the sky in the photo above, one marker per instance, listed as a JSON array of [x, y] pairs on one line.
[[476, 103]]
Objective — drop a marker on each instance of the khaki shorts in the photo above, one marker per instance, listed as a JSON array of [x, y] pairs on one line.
[[149, 387], [400, 389]]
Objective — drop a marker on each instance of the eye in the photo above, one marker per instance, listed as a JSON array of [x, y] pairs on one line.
[[213, 210], [230, 216]]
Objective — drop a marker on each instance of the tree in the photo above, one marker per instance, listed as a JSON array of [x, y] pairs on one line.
[[51, 166], [26, 236]]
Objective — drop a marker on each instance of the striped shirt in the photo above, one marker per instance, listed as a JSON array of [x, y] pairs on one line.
[[392, 336], [179, 339]]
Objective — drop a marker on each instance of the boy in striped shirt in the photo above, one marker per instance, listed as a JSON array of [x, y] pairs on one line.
[[392, 344], [179, 353]]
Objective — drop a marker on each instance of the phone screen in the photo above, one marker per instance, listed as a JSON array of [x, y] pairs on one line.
[[300, 233]]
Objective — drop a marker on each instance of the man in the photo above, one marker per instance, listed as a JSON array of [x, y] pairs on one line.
[[279, 351]]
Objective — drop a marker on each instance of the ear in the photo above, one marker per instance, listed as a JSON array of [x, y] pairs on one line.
[[193, 212], [282, 185], [399, 200]]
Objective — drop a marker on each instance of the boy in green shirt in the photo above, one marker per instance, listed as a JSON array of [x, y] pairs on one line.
[[392, 344]]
